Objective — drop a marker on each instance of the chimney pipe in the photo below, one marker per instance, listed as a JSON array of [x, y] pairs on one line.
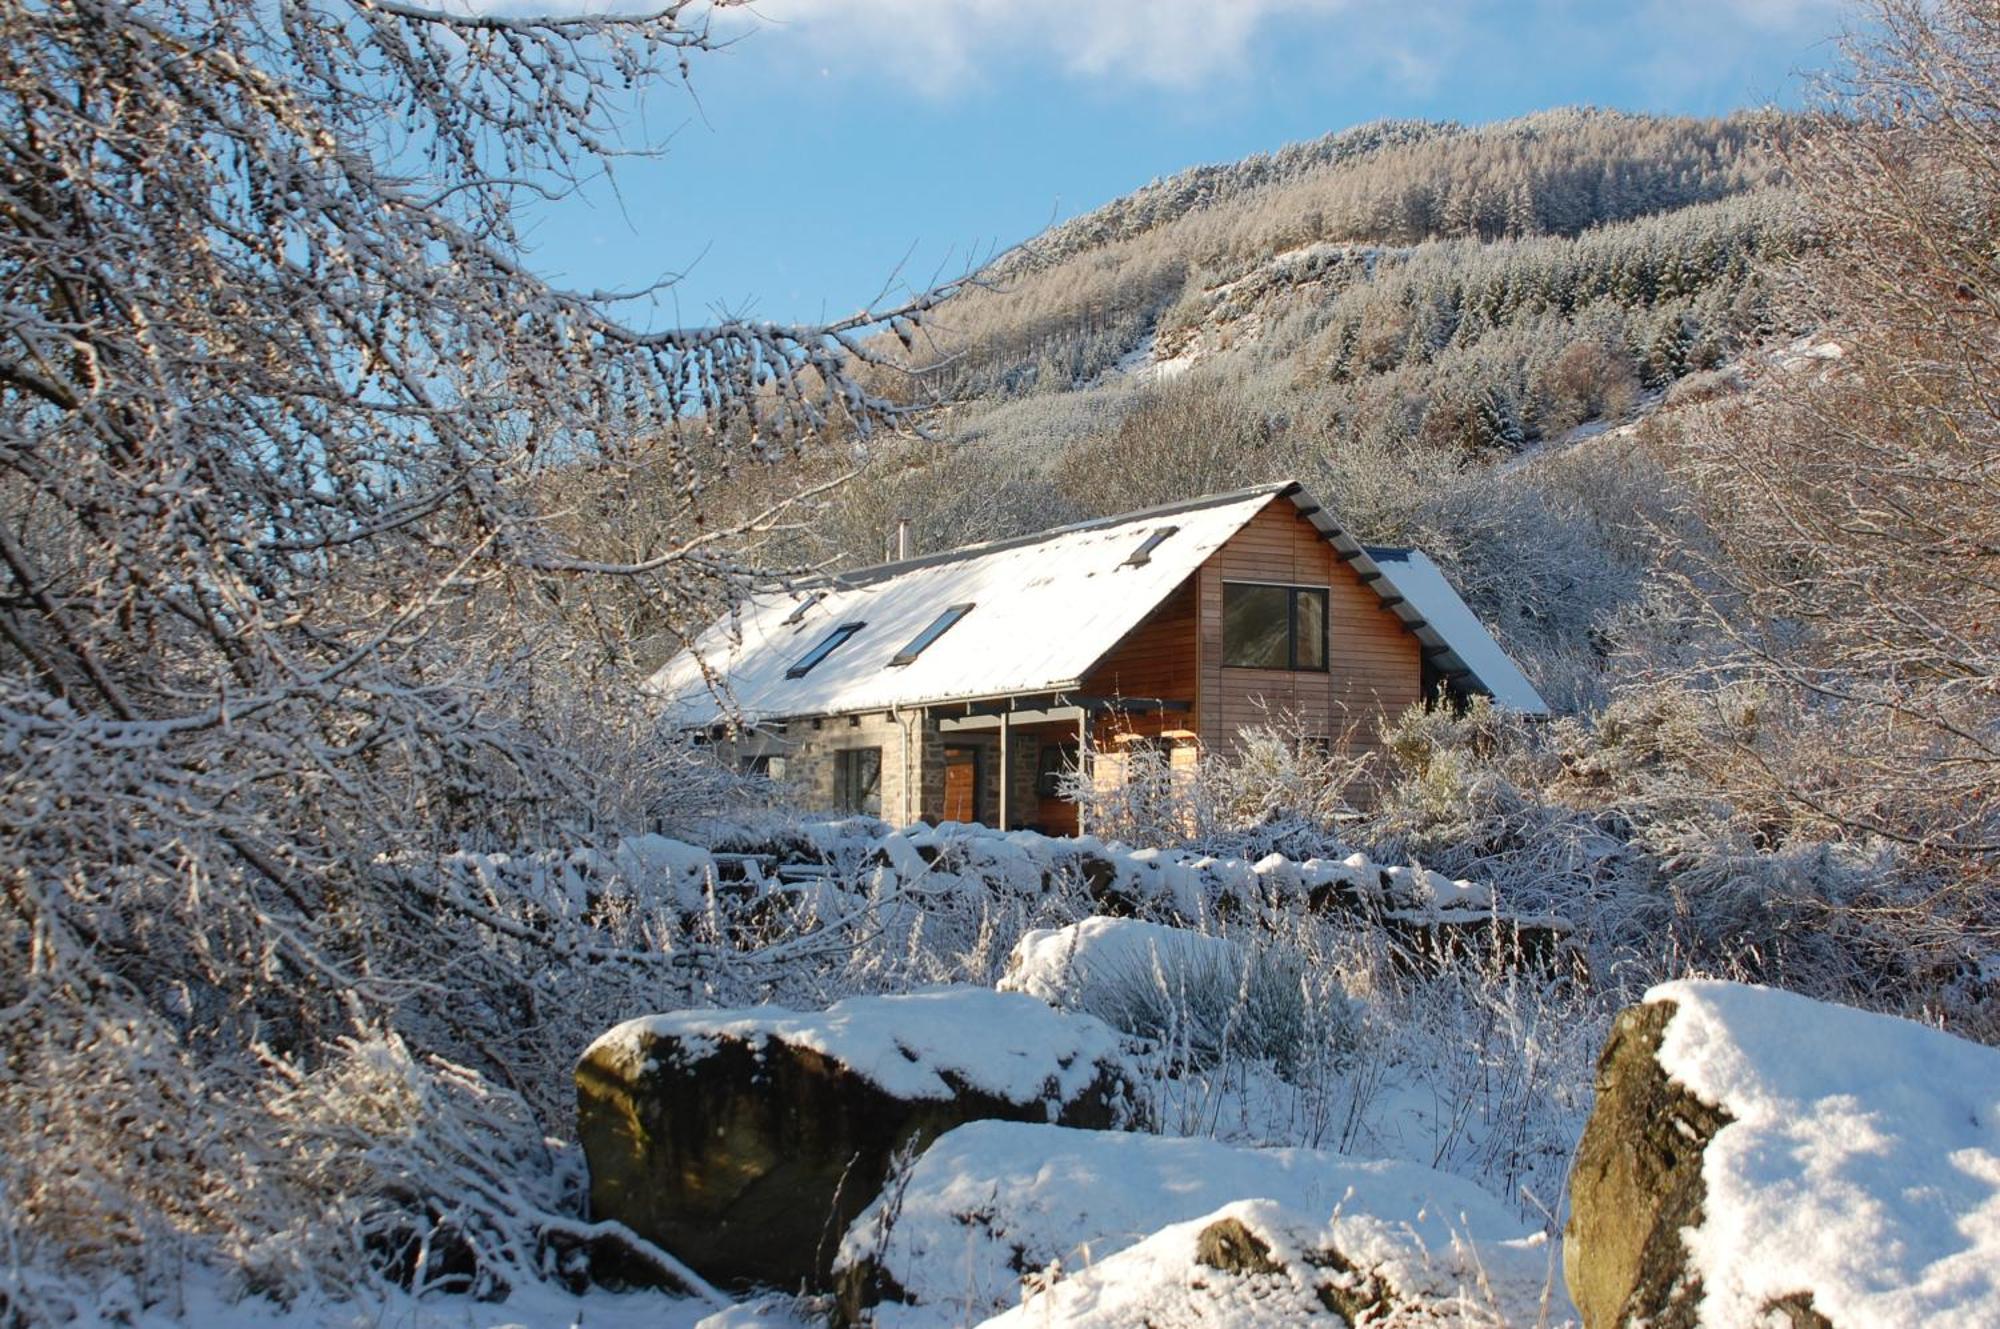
[[902, 538]]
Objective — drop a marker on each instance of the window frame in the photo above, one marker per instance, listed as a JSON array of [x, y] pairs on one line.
[[765, 765], [1293, 592], [845, 781], [839, 636], [952, 616], [1144, 553]]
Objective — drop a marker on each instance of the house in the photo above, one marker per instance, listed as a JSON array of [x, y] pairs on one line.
[[960, 685]]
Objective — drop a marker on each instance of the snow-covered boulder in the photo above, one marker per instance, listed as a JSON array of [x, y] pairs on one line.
[[743, 1141], [995, 1207], [1758, 1157], [1256, 1264], [1195, 993]]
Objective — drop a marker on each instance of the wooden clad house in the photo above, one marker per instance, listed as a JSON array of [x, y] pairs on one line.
[[961, 685]]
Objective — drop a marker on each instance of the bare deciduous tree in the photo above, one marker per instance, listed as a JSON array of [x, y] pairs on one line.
[[1859, 500], [282, 610]]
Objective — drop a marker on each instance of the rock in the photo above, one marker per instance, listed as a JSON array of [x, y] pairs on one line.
[[1757, 1157], [1432, 942], [744, 1142], [1109, 891], [1636, 1183], [994, 1208], [1435, 922], [1261, 1263], [1234, 1249]]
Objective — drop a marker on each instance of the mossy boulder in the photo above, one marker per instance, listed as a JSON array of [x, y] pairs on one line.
[[1760, 1157], [744, 1142], [1636, 1183]]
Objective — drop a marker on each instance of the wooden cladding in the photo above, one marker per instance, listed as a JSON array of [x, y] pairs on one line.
[[1156, 660], [1374, 664]]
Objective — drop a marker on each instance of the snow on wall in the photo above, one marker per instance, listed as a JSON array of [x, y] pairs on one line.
[[863, 852], [1863, 1164]]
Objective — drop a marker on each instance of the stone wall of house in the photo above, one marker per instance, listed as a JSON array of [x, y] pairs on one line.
[[912, 759], [1023, 754]]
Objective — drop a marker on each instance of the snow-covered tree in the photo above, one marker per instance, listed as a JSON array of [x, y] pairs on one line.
[[1860, 499], [283, 602]]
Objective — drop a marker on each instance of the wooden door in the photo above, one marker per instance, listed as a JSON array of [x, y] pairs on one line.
[[961, 784]]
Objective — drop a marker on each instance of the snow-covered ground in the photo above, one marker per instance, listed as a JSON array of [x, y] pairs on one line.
[[1372, 1064], [993, 1199], [1860, 1160]]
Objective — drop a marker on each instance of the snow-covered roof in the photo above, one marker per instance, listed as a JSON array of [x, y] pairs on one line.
[[1451, 633], [1043, 610]]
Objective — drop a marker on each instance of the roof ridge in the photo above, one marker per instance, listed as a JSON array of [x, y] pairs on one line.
[[883, 571]]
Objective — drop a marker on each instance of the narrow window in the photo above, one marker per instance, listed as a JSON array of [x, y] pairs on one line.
[[1273, 627], [1144, 553], [1053, 762], [826, 646], [1308, 629], [939, 626], [857, 780]]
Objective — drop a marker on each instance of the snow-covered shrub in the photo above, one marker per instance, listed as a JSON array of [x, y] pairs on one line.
[[1278, 789], [1636, 827], [1199, 997]]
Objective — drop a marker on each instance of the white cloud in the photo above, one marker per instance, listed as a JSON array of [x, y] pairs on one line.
[[941, 46]]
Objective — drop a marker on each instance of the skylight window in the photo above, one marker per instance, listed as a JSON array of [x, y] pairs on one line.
[[939, 626], [826, 646], [1144, 553]]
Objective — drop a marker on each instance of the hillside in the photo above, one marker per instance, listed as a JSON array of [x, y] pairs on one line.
[[1411, 318]]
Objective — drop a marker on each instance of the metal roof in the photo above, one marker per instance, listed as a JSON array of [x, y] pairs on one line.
[[1452, 635], [1045, 608]]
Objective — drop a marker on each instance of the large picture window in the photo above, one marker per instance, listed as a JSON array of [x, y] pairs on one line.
[[1273, 627], [857, 780]]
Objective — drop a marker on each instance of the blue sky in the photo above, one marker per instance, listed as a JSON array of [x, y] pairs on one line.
[[841, 146]]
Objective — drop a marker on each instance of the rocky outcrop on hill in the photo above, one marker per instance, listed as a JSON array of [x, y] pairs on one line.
[[745, 1141]]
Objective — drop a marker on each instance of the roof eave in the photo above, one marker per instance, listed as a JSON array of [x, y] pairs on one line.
[[1377, 579], [918, 704]]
